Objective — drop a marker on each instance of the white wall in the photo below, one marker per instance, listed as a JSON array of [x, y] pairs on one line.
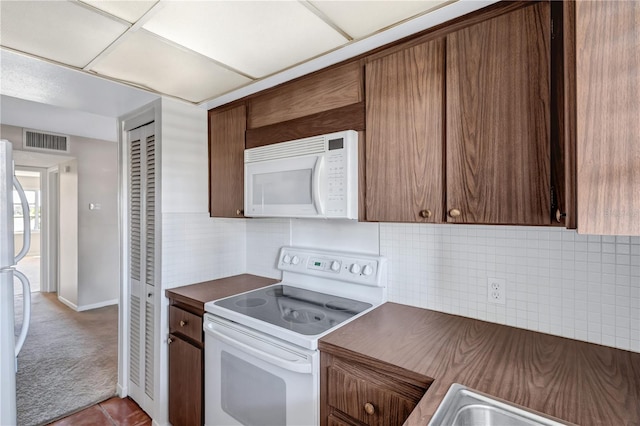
[[583, 287], [68, 288], [96, 261]]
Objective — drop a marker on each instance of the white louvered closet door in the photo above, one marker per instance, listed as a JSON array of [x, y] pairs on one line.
[[142, 262]]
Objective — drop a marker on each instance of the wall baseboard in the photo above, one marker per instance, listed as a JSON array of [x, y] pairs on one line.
[[98, 305], [122, 391], [87, 307], [68, 303]]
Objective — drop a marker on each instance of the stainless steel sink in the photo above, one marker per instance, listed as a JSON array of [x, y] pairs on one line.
[[462, 406]]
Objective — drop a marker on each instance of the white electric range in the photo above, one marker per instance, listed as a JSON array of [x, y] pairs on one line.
[[262, 364]]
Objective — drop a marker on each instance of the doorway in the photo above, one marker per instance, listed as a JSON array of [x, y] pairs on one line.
[[31, 265]]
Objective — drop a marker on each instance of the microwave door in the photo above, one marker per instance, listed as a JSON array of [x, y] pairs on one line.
[[282, 188]]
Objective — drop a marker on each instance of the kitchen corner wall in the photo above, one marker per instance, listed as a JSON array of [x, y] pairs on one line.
[[195, 247], [557, 281]]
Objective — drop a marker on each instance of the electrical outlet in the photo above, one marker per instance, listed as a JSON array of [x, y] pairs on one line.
[[496, 290]]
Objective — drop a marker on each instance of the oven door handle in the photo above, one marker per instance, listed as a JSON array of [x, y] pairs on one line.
[[301, 365]]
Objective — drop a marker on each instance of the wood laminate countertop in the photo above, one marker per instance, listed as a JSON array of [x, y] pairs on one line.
[[578, 382], [196, 295]]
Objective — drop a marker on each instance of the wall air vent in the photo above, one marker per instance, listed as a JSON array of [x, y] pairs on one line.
[[40, 141]]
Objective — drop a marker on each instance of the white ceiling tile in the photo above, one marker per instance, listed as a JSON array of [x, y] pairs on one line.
[[130, 10], [146, 60], [254, 37], [362, 18], [43, 82], [57, 30]]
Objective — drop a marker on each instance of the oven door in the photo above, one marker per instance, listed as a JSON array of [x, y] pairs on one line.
[[255, 380]]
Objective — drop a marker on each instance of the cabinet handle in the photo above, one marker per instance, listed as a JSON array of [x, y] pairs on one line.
[[369, 408], [239, 212], [169, 341], [454, 212], [426, 214], [183, 323], [560, 216]]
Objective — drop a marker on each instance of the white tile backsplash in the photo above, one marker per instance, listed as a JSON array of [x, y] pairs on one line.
[[585, 287], [264, 239], [336, 235], [196, 248]]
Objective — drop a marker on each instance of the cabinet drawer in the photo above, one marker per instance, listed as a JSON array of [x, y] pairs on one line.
[[185, 323], [368, 396]]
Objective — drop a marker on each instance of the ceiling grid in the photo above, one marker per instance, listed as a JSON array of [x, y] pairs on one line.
[[221, 46]]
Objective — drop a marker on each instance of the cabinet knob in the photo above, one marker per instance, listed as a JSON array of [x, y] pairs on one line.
[[369, 408], [239, 212], [169, 341], [183, 323], [426, 214], [560, 216], [454, 213]]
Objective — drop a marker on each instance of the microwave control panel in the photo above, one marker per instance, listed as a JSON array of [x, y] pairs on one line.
[[341, 187]]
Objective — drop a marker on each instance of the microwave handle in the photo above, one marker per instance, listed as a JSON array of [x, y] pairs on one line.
[[317, 185]]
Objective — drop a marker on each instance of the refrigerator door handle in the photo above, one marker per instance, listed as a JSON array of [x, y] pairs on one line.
[[26, 309], [26, 235]]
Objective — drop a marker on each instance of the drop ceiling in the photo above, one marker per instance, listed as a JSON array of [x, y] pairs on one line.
[[195, 50]]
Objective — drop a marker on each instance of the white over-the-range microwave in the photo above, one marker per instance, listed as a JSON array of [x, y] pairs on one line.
[[315, 177]]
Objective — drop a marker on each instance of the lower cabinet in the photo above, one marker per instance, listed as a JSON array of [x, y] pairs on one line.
[[355, 394], [186, 368], [185, 382]]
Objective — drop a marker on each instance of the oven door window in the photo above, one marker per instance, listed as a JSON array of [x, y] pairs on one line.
[[252, 396]]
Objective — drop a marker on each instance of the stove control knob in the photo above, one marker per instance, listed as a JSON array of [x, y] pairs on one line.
[[367, 270], [286, 258], [335, 266], [295, 260], [355, 268]]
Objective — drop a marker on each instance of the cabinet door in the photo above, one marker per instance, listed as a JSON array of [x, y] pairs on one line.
[[607, 117], [185, 383], [226, 161], [404, 137], [497, 115]]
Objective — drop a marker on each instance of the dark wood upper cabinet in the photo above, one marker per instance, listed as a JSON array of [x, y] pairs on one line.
[[497, 120], [226, 161], [325, 90], [404, 136], [607, 83]]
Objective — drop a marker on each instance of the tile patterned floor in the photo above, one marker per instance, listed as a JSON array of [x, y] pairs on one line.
[[112, 412]]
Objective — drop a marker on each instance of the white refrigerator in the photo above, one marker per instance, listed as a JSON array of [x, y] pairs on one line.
[[10, 345]]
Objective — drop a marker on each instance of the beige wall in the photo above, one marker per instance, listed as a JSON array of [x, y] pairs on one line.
[[94, 263]]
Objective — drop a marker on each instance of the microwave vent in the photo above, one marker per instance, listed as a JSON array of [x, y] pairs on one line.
[[297, 148], [39, 141]]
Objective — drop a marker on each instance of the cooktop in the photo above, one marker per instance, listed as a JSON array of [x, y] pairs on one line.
[[303, 311]]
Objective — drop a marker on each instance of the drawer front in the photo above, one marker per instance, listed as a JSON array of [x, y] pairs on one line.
[[185, 323], [370, 397]]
